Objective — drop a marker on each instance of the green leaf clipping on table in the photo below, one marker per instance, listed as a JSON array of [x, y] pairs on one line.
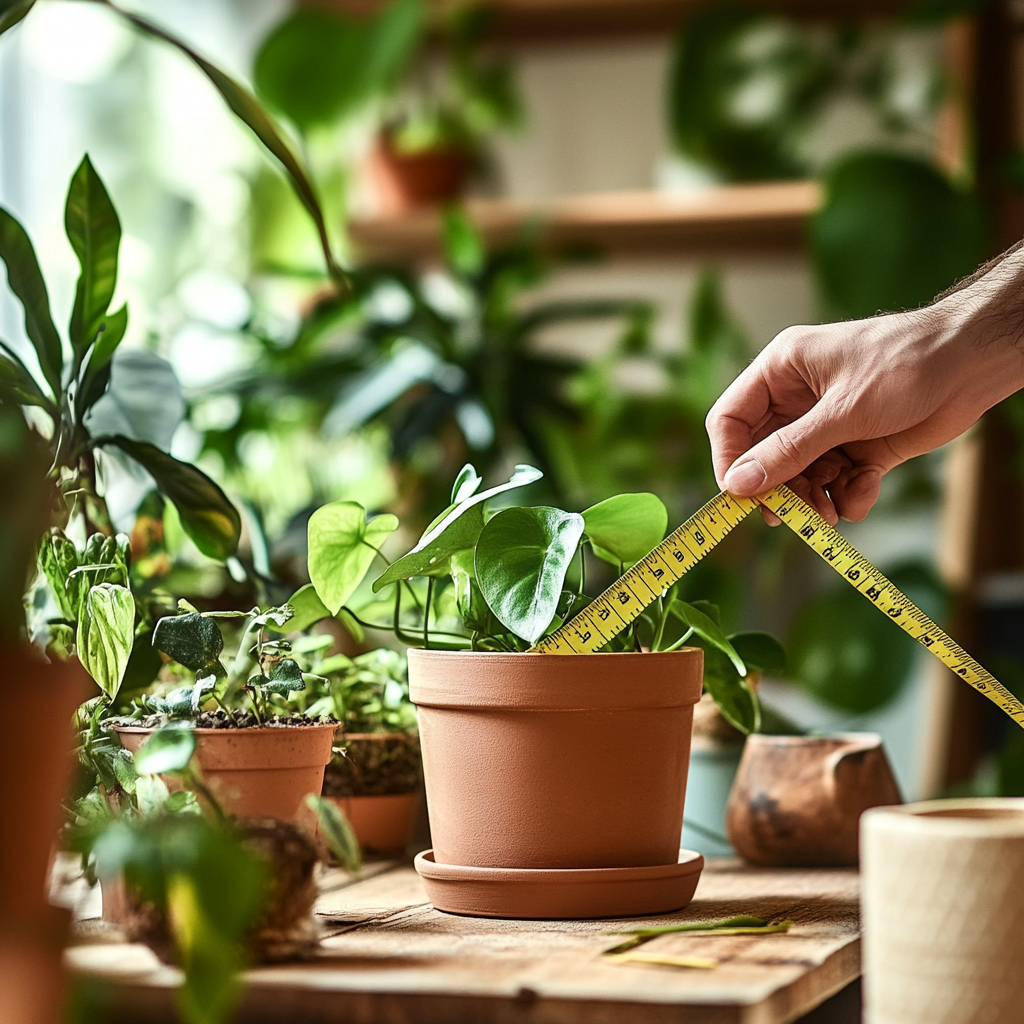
[[342, 546], [626, 527], [335, 828], [522, 557], [106, 632]]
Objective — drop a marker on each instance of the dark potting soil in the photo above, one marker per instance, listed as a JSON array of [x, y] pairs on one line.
[[221, 719], [373, 766]]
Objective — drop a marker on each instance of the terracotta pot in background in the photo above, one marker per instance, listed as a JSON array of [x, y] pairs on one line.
[[375, 782], [36, 760], [402, 182], [258, 773], [943, 912], [540, 761], [797, 800]]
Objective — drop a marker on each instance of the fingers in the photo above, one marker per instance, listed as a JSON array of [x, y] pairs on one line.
[[783, 455], [734, 418]]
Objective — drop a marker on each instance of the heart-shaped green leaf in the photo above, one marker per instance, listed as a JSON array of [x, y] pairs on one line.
[[191, 640], [168, 750], [456, 529], [624, 528], [522, 557], [342, 545], [94, 231], [106, 631]]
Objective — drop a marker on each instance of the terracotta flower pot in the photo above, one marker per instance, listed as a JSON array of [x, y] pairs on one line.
[[258, 773], [540, 761], [403, 182], [797, 800], [37, 763], [375, 783], [943, 909]]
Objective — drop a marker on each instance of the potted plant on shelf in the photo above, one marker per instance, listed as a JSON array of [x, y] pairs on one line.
[[374, 775], [555, 785]]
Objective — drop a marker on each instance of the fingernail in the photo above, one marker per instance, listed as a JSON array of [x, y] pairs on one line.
[[747, 478]]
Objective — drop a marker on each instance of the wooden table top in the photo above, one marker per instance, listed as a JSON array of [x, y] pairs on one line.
[[389, 958]]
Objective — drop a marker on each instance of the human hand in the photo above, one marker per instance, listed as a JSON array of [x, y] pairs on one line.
[[831, 409]]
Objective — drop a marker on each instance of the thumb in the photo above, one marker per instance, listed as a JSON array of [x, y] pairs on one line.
[[782, 455]]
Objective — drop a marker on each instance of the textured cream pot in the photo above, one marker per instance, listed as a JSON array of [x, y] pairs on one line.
[[943, 912]]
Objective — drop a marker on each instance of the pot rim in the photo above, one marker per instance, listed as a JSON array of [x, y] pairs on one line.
[[966, 817], [378, 735], [494, 656], [788, 740], [238, 730]]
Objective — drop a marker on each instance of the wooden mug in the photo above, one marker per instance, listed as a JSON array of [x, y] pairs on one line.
[[797, 800]]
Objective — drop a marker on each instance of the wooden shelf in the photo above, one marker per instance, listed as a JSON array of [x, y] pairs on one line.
[[553, 19], [729, 217]]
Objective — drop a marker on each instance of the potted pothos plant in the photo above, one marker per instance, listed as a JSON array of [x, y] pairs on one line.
[[374, 775], [534, 761]]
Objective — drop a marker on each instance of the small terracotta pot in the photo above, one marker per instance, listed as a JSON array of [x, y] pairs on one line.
[[403, 182], [943, 911], [36, 760], [797, 800], [543, 761], [258, 773], [382, 824]]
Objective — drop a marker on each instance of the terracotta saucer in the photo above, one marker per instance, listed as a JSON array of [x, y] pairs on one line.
[[560, 893]]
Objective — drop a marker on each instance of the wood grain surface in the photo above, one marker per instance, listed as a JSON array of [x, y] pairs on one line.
[[389, 958]]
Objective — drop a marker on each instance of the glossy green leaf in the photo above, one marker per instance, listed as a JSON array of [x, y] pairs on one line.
[[285, 677], [466, 483], [26, 282], [207, 516], [168, 750], [58, 558], [708, 630], [624, 528], [891, 234], [522, 557], [98, 369], [335, 828], [342, 545], [737, 702], [17, 384], [191, 640], [761, 651], [456, 529], [250, 112], [12, 11], [469, 599], [106, 631], [94, 231]]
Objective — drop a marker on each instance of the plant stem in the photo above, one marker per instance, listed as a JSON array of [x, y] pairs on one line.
[[426, 614], [660, 632], [682, 640]]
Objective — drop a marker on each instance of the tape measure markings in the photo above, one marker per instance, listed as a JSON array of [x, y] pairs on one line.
[[624, 601]]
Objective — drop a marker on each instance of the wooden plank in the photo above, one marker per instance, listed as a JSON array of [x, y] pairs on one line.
[[389, 957], [540, 20], [731, 217]]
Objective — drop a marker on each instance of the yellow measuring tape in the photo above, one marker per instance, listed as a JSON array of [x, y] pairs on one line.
[[642, 584]]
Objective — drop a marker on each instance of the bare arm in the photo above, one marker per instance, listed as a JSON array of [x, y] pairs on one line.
[[831, 409]]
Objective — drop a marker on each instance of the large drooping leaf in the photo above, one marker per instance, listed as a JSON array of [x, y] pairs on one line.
[[94, 231], [168, 750], [734, 698], [708, 630], [456, 529], [26, 282], [17, 383], [207, 516], [250, 112], [342, 544], [191, 640], [892, 234], [318, 67], [12, 11], [106, 630], [143, 402], [624, 528], [522, 557]]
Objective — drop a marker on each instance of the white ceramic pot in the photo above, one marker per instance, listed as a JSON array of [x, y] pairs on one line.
[[943, 910]]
